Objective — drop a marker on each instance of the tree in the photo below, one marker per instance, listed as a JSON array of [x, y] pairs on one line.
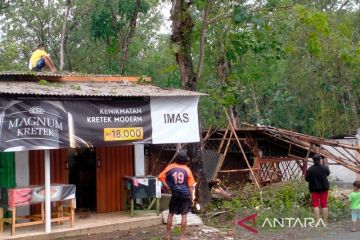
[[115, 22], [182, 38], [4, 4], [63, 33], [28, 23], [290, 64]]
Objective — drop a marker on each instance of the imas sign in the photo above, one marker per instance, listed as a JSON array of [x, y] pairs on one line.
[[174, 120]]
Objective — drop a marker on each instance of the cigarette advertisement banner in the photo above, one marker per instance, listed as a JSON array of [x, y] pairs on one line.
[[29, 124]]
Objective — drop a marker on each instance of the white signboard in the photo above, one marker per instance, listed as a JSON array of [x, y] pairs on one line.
[[174, 119]]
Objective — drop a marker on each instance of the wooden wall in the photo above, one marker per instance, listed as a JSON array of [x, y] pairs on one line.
[[113, 163], [58, 166]]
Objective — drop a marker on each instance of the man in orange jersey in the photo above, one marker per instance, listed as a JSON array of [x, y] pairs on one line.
[[178, 178]]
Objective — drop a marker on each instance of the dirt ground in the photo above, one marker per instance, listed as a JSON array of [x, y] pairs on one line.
[[238, 233]]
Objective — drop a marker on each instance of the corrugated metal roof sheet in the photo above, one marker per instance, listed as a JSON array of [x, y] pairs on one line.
[[35, 76], [49, 74], [90, 89]]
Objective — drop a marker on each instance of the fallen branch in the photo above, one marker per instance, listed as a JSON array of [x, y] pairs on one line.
[[217, 214]]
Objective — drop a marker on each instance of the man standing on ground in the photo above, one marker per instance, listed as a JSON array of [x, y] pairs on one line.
[[178, 178], [40, 59], [317, 175]]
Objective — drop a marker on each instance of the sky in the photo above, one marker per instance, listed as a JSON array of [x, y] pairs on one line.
[[165, 11]]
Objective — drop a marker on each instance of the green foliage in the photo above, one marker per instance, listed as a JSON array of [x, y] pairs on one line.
[[44, 82], [111, 17], [290, 64], [338, 208], [75, 87], [280, 200], [111, 22], [314, 45], [102, 27], [177, 231], [240, 14]]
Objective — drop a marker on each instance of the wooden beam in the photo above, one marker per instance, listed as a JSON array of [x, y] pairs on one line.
[[221, 162], [242, 150], [310, 139], [1, 220], [239, 170], [224, 138]]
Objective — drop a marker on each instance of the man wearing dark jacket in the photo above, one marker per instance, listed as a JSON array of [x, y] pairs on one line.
[[317, 175]]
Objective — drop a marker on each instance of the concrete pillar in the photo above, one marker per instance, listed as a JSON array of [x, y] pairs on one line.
[[139, 159]]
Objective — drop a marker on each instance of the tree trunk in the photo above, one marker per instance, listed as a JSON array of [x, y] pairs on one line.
[[127, 39], [222, 68], [200, 65], [68, 59], [256, 106], [353, 105], [63, 33], [182, 29]]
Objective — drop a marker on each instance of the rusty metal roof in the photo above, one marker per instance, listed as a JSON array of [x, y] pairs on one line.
[[75, 77], [90, 89]]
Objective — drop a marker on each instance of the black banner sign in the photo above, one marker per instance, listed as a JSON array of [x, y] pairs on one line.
[[42, 124]]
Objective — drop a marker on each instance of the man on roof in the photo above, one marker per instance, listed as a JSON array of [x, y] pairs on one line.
[[40, 59]]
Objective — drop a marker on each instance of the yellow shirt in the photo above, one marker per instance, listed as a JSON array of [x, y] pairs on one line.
[[35, 57]]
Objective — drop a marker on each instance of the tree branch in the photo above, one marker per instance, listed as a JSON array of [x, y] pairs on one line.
[[63, 33], [219, 17], [127, 39], [272, 8], [202, 40], [343, 5]]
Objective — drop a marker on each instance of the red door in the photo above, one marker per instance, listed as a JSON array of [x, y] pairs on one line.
[[58, 166], [113, 163]]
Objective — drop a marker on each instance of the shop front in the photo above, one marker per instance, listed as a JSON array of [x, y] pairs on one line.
[[88, 134]]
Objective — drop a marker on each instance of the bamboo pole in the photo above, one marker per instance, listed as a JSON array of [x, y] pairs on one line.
[[242, 150], [208, 134], [310, 139], [323, 152], [239, 170], [346, 157], [218, 167], [304, 167], [351, 155], [224, 137]]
